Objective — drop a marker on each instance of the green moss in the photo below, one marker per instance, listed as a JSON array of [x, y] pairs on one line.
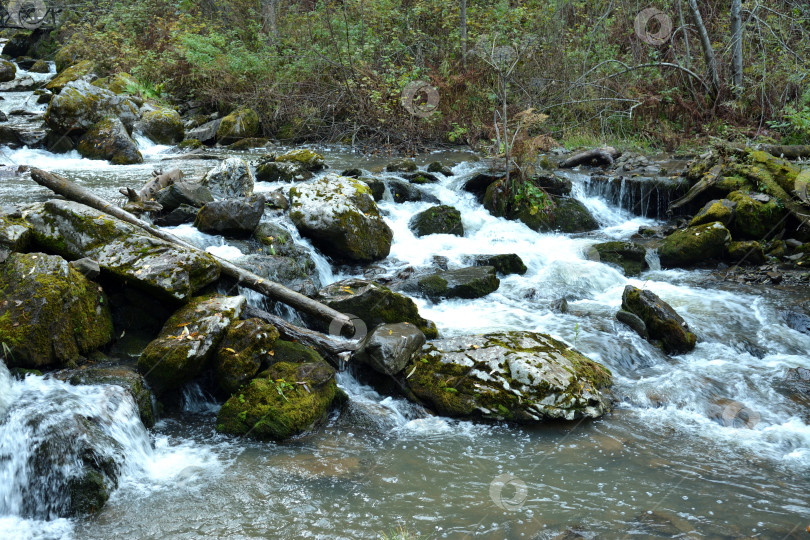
[[294, 353], [755, 219], [240, 124], [73, 73], [694, 244]]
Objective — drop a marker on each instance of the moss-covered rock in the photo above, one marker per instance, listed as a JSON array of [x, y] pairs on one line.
[[190, 145], [781, 171], [66, 57], [125, 377], [49, 313], [233, 217], [402, 191], [123, 251], [231, 178], [78, 71], [472, 282], [307, 159], [437, 220], [285, 400], [388, 348], [745, 252], [518, 376], [40, 66], [244, 349], [162, 126], [757, 215], [438, 167], [270, 170], [374, 304], [295, 272], [507, 263], [293, 353], [80, 105], [120, 83], [15, 234], [630, 257], [721, 210], [341, 218], [240, 124], [420, 178], [188, 341], [694, 244], [401, 165], [110, 141], [663, 324], [8, 71]]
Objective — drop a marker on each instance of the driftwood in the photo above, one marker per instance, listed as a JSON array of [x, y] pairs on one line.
[[159, 181], [270, 289], [331, 349], [597, 156], [788, 151]]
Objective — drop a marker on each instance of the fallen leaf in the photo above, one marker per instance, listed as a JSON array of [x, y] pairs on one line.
[[229, 350]]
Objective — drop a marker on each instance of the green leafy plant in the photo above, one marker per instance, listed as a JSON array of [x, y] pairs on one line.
[[281, 386]]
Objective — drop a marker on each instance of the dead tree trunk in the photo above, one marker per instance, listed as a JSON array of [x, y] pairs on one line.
[[706, 45], [596, 156], [270, 289], [463, 29], [736, 46]]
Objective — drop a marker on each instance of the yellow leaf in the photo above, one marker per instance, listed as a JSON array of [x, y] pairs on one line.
[[230, 350], [272, 353]]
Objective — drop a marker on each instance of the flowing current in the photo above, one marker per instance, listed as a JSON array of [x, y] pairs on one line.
[[699, 445]]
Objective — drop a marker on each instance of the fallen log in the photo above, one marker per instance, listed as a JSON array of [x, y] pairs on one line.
[[788, 151], [597, 156], [333, 350], [270, 289], [709, 179]]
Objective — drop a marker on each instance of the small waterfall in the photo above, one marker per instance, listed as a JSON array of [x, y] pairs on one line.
[[642, 196]]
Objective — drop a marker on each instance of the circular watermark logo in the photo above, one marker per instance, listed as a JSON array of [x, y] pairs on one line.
[[518, 498], [420, 98], [737, 415], [338, 328], [29, 14], [652, 17]]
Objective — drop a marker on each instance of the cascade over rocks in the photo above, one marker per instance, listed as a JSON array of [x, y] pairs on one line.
[[518, 376], [247, 346]]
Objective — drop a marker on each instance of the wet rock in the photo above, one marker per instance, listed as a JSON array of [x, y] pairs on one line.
[[306, 159], [180, 193], [21, 42], [270, 170], [3, 118], [376, 185], [15, 234], [401, 165], [663, 324], [188, 341], [118, 375], [518, 376], [240, 124], [552, 184], [233, 217], [341, 218], [438, 167], [20, 84], [374, 304], [694, 244], [49, 313], [472, 282], [285, 400], [505, 264], [250, 142], [633, 321], [205, 133], [296, 273], [402, 191], [628, 256], [40, 66], [80, 105], [123, 251], [797, 319], [480, 182], [796, 385], [66, 57], [7, 71], [293, 353], [242, 352], [110, 141], [162, 126], [77, 72], [182, 214], [437, 220], [420, 178], [352, 173], [757, 216], [389, 347], [745, 252], [276, 200], [231, 178], [721, 210], [87, 267]]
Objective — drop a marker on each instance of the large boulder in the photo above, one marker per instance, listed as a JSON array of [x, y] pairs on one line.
[[205, 133], [401, 165], [694, 244], [745, 252], [306, 159], [180, 193], [663, 324], [402, 191], [80, 105], [231, 178], [123, 251], [389, 347], [240, 124], [162, 126], [285, 400], [374, 304], [270, 170], [49, 313], [507, 263], [341, 218], [721, 210], [437, 220], [76, 72], [757, 214], [472, 282], [109, 140], [232, 217], [7, 71], [66, 57], [519, 376], [628, 256], [247, 345], [188, 341]]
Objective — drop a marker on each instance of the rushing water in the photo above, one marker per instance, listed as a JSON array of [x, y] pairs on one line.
[[699, 445]]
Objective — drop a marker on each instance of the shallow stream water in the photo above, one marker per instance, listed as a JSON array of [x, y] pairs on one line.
[[700, 445]]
